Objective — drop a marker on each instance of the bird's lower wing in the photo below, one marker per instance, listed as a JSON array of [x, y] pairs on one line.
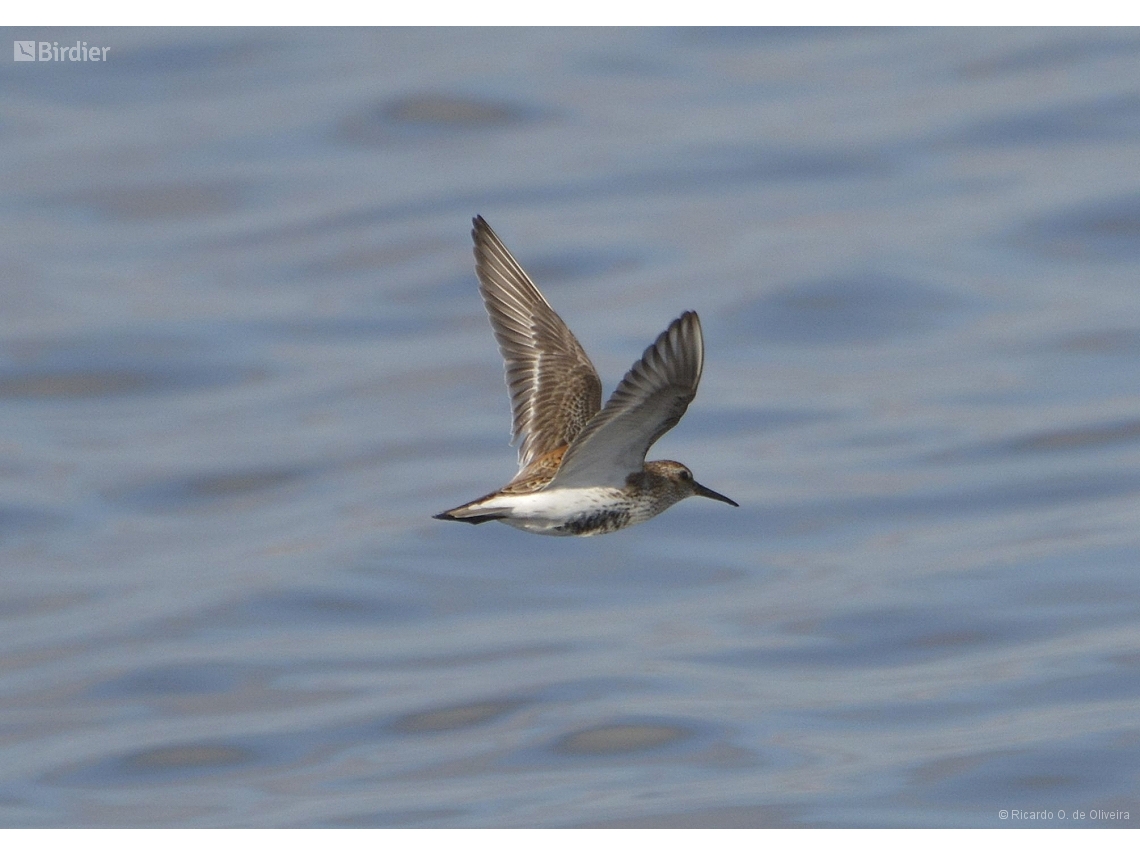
[[648, 402]]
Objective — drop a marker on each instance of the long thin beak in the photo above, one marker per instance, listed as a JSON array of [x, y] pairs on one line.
[[701, 490]]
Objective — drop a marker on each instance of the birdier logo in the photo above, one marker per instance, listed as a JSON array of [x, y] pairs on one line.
[[30, 50]]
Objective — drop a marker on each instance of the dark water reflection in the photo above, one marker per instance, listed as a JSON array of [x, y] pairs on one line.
[[243, 361]]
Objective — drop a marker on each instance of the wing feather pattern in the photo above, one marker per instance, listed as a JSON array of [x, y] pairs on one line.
[[648, 402], [554, 388]]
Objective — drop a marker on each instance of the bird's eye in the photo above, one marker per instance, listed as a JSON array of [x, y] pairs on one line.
[[686, 475]]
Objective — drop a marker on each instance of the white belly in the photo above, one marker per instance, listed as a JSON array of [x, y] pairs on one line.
[[570, 511]]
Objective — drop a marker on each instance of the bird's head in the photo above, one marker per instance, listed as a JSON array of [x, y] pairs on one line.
[[681, 479]]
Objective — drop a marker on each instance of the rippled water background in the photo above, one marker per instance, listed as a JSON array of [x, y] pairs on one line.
[[243, 360]]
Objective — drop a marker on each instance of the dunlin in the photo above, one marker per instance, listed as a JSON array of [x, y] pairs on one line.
[[582, 467]]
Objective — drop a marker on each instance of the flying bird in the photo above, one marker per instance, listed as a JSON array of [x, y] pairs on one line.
[[582, 466]]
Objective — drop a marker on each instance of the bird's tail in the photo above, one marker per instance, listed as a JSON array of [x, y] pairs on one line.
[[469, 514]]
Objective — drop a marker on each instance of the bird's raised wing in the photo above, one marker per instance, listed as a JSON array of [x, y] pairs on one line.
[[650, 400], [554, 387]]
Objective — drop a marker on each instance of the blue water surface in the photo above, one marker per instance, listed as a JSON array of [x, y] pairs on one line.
[[243, 360]]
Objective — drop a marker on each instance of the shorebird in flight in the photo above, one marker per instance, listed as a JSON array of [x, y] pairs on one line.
[[582, 467]]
